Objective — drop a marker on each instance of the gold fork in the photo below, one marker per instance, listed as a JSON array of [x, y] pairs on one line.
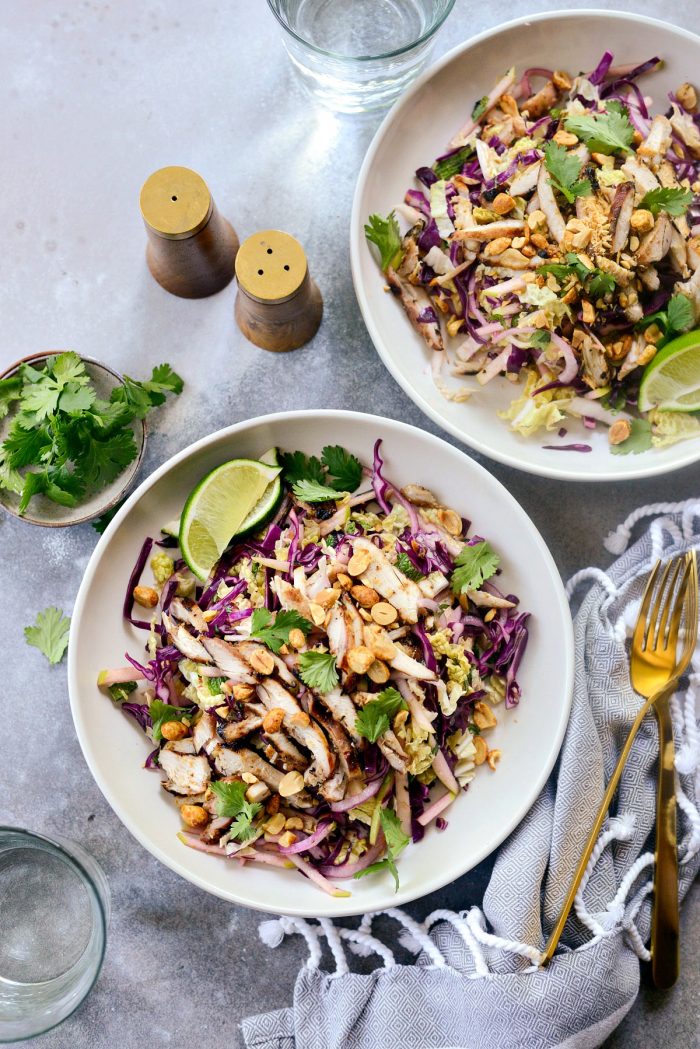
[[652, 653], [667, 608]]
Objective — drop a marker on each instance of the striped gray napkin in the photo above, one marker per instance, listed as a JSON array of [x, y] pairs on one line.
[[475, 983]]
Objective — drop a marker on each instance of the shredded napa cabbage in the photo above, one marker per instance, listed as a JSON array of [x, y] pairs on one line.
[[528, 414], [438, 209], [670, 427], [548, 301]]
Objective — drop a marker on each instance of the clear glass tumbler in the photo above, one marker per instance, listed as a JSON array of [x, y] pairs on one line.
[[54, 911], [359, 55]]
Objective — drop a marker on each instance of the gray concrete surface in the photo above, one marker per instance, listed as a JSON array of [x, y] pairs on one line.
[[93, 97]]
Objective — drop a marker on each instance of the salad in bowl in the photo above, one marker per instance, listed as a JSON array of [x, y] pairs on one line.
[[555, 245]]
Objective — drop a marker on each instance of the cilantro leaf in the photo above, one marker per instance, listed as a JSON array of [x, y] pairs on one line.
[[318, 670], [76, 398], [673, 200], [231, 803], [596, 282], [396, 842], [103, 460], [25, 446], [344, 468], [375, 717], [10, 391], [479, 107], [387, 864], [275, 633], [161, 712], [565, 171], [608, 132], [453, 163], [639, 439], [312, 492], [41, 398], [68, 368], [120, 692], [540, 339], [680, 314], [34, 484], [10, 479], [299, 467], [49, 634], [140, 397], [474, 564], [600, 284], [405, 565], [386, 235]]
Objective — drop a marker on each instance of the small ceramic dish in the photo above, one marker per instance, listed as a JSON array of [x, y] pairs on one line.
[[44, 512]]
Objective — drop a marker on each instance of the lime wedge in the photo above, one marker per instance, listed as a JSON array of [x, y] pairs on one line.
[[222, 506], [672, 380]]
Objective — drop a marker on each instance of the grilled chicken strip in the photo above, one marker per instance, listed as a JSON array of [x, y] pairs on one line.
[[228, 660], [393, 586], [188, 612], [235, 762], [180, 636], [291, 598], [297, 724], [187, 773]]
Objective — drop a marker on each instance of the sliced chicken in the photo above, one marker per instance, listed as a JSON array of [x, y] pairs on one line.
[[339, 739], [232, 731], [187, 773], [541, 102], [656, 243], [419, 309], [491, 230], [235, 762], [392, 750], [393, 585], [644, 179], [188, 612], [658, 140], [402, 663], [432, 584], [620, 215], [228, 660], [482, 599], [548, 204], [291, 598], [298, 725], [204, 734], [342, 708], [334, 788], [338, 634], [180, 636], [285, 752]]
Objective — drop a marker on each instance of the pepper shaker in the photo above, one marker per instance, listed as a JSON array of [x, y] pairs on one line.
[[278, 305], [191, 248]]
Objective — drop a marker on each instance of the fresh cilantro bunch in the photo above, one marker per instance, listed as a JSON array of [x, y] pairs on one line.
[[315, 480], [473, 565], [375, 717], [565, 172], [231, 803], [64, 441], [386, 235], [274, 630], [607, 132]]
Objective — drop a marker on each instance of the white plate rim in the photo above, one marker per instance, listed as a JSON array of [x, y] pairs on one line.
[[688, 452], [338, 908]]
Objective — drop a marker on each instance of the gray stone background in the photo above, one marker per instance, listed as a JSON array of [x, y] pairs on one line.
[[93, 97]]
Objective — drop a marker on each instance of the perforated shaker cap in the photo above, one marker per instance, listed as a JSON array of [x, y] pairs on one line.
[[271, 266], [175, 202]]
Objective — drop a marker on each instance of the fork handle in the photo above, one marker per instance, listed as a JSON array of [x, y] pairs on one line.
[[665, 921], [558, 929]]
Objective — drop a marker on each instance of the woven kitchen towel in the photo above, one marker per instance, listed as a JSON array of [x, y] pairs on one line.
[[475, 983]]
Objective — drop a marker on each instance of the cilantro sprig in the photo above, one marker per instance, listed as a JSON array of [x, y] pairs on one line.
[[672, 199], [607, 132], [231, 803], [375, 717], [386, 235], [161, 712], [314, 480], [473, 566], [274, 631], [396, 842], [49, 634], [596, 282], [638, 441], [69, 441], [318, 670], [677, 317], [565, 172]]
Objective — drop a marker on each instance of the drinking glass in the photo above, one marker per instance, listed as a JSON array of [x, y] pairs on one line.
[[360, 55], [54, 911]]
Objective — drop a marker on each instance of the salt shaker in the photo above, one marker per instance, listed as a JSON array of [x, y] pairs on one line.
[[278, 306], [191, 248]]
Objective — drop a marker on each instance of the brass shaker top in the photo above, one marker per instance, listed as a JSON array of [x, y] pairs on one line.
[[175, 203], [271, 266]]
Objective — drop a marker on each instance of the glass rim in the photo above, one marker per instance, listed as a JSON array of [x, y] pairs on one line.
[[433, 28], [35, 840]]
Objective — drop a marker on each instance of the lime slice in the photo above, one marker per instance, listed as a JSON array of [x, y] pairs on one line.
[[218, 508], [672, 380]]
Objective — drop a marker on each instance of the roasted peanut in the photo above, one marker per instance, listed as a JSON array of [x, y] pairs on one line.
[[641, 220], [687, 96], [450, 521], [378, 672], [275, 825], [326, 598], [249, 778], [484, 717], [287, 839], [291, 784], [344, 580], [493, 758], [561, 80], [301, 718], [145, 596], [294, 823], [497, 246], [242, 692], [503, 204], [536, 219], [318, 613], [481, 750], [173, 730], [261, 661], [565, 138], [364, 595], [384, 613], [359, 562], [360, 659], [587, 312], [272, 722], [619, 431], [194, 815], [296, 638]]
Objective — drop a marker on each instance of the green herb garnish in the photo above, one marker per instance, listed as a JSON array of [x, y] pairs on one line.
[[452, 165], [231, 803], [474, 564], [49, 634], [638, 441], [386, 235], [565, 172], [274, 631], [375, 717], [405, 565], [161, 712], [318, 670], [608, 132], [677, 317], [673, 200], [122, 691], [396, 842]]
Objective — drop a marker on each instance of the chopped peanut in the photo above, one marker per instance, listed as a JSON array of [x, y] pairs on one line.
[[377, 641], [497, 246], [318, 613], [272, 722], [275, 824], [194, 815], [503, 204], [243, 692], [360, 659], [484, 717], [296, 638], [359, 562], [272, 806], [248, 777], [378, 672], [173, 730], [344, 580], [537, 219], [294, 823], [587, 312], [540, 241], [493, 759], [400, 720], [653, 333], [565, 138], [581, 239], [261, 661], [561, 80], [145, 596], [301, 718], [287, 839], [687, 96], [291, 784], [450, 521], [364, 595], [326, 598], [619, 431], [641, 220]]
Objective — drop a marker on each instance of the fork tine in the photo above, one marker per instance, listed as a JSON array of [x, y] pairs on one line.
[[650, 638], [642, 623], [691, 615], [681, 569], [678, 606]]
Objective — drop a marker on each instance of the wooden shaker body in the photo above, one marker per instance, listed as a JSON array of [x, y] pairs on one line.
[[197, 266], [281, 326]]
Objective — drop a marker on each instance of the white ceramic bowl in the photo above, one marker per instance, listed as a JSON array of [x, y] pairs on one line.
[[529, 736], [417, 130]]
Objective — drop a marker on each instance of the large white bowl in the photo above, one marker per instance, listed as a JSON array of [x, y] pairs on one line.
[[529, 736], [417, 130]]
